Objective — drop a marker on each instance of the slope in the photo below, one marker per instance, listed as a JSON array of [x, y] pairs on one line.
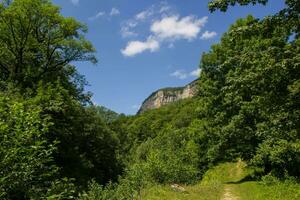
[[228, 181]]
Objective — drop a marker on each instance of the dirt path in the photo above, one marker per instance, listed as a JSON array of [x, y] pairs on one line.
[[228, 195]]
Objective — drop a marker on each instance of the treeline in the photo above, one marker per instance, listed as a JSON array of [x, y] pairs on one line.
[[55, 145], [52, 142]]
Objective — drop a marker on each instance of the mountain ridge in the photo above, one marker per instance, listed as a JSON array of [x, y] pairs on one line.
[[168, 95]]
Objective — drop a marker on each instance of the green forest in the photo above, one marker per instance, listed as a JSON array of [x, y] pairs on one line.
[[55, 144]]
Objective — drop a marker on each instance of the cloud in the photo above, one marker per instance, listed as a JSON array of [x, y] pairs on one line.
[[127, 29], [172, 27], [163, 25], [196, 72], [182, 74], [114, 11], [75, 2], [208, 35], [136, 47], [145, 14], [164, 7], [154, 10], [99, 14], [126, 32]]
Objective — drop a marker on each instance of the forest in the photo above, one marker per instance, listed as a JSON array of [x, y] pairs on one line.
[[55, 144]]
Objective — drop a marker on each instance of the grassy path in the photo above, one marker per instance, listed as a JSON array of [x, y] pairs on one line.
[[226, 182], [236, 174], [228, 194]]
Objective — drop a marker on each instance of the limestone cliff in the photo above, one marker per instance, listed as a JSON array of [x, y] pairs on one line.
[[168, 95]]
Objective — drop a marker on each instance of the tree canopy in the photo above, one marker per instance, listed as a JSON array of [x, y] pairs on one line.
[[38, 43]]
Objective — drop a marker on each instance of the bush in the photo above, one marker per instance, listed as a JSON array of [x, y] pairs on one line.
[[26, 163], [279, 157], [172, 157]]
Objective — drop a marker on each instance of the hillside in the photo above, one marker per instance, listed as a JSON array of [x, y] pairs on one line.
[[228, 181], [167, 96]]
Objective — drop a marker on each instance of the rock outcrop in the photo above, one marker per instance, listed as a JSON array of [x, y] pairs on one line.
[[169, 95]]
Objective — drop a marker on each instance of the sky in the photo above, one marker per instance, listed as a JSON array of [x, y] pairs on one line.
[[145, 45]]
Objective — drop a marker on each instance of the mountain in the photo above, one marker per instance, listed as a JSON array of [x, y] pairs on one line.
[[169, 95], [106, 114]]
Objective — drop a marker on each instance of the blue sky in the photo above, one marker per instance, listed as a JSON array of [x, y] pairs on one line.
[[145, 45]]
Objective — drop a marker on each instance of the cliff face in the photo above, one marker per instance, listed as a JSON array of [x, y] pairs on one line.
[[168, 95]]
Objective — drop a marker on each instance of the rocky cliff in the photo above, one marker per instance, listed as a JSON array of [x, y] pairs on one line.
[[168, 95]]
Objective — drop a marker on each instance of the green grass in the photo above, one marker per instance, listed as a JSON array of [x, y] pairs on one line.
[[256, 191], [195, 192], [227, 176]]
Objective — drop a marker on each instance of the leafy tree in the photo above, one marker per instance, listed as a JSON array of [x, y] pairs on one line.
[[38, 49], [223, 4], [106, 114], [247, 80], [26, 157], [287, 17], [39, 44], [87, 147]]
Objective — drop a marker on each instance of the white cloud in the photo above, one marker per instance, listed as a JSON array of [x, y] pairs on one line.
[[164, 8], [99, 14], [114, 11], [208, 35], [196, 72], [165, 26], [145, 14], [154, 10], [75, 2], [126, 32], [172, 27], [127, 29], [137, 47], [182, 74]]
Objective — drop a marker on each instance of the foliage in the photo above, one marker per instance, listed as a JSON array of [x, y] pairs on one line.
[[26, 157], [98, 192], [106, 114], [68, 139], [223, 4], [217, 178], [87, 147], [249, 80], [171, 157], [38, 43]]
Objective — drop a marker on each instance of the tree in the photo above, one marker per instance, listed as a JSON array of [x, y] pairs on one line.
[[250, 80], [38, 47], [288, 17], [224, 4], [38, 44], [106, 114], [27, 167]]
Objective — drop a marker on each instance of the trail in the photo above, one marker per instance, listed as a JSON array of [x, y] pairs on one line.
[[228, 195], [236, 172], [221, 182]]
